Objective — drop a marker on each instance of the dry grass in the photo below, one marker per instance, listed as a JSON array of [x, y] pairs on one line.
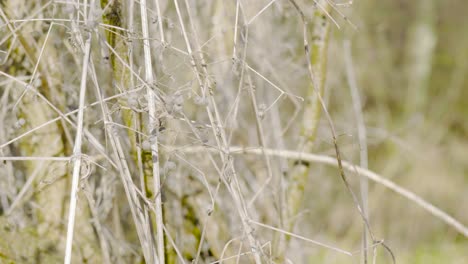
[[179, 131]]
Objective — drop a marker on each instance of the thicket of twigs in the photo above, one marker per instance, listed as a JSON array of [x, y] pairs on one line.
[[182, 131]]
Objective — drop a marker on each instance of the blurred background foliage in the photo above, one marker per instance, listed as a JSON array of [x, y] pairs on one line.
[[411, 65]]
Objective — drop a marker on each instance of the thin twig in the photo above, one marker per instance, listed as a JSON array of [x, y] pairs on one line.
[[362, 172], [303, 238], [153, 129], [77, 151], [363, 161]]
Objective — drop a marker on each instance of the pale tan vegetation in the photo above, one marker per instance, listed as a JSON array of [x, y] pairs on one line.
[[269, 131]]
